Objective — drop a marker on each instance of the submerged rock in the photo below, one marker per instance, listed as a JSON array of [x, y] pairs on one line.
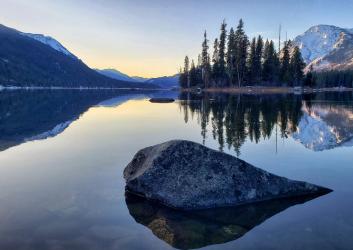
[[186, 175], [201, 228]]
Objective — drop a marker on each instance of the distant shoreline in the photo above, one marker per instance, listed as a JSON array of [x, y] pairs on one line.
[[72, 88], [269, 90]]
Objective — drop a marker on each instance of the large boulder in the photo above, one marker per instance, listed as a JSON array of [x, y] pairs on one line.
[[186, 175]]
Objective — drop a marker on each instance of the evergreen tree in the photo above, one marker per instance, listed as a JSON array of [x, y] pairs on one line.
[[215, 61], [184, 75], [205, 63], [310, 79], [297, 66], [258, 57], [231, 56], [285, 74], [255, 61], [270, 65], [241, 50], [193, 75], [251, 62], [182, 82], [221, 51]]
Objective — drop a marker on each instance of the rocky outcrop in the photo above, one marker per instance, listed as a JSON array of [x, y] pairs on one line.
[[186, 175]]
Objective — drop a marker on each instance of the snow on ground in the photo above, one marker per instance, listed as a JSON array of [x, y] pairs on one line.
[[322, 128], [314, 134], [50, 42], [51, 133], [318, 41]]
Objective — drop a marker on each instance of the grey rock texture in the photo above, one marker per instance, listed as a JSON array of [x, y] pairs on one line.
[[186, 175]]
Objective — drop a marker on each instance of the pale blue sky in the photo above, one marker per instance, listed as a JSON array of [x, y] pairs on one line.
[[151, 37]]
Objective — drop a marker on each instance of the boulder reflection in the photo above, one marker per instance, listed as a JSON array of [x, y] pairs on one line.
[[196, 229]]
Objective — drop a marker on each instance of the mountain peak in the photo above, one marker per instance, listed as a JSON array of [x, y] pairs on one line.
[[51, 42], [326, 46]]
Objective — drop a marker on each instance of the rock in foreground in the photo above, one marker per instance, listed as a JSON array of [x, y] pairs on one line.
[[186, 175]]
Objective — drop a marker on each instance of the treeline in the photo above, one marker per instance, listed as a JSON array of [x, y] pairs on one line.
[[237, 62], [329, 79]]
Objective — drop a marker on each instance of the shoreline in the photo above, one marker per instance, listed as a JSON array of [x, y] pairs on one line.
[[269, 90], [72, 88]]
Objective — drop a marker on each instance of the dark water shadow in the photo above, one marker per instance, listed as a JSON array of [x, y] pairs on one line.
[[196, 229]]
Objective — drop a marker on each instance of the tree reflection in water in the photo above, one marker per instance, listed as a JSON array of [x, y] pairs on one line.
[[234, 118]]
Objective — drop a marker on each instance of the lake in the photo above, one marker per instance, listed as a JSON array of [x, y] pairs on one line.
[[63, 152]]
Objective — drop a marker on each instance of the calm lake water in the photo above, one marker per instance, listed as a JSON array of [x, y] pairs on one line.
[[62, 155]]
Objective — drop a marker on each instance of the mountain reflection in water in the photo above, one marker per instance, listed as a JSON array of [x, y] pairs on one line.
[[196, 229], [233, 119], [27, 115]]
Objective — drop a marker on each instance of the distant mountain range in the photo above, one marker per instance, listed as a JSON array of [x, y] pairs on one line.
[[327, 47], [163, 82], [115, 74], [37, 60]]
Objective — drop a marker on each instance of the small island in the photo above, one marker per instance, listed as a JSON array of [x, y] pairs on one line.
[[243, 66]]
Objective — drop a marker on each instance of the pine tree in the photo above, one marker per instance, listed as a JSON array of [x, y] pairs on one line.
[[231, 56], [215, 62], [184, 75], [285, 74], [258, 57], [181, 78], [310, 78], [251, 62], [271, 64], [297, 66], [193, 75], [205, 63], [221, 51], [241, 50]]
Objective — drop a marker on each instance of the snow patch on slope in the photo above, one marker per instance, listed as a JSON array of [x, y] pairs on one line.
[[51, 42], [314, 134], [318, 41], [51, 133], [324, 127]]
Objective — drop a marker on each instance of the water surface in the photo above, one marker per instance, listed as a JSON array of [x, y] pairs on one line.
[[62, 154]]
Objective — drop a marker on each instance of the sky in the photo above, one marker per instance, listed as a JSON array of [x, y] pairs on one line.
[[150, 38]]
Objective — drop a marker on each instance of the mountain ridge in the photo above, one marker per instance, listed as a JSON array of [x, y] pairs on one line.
[[163, 81], [326, 47], [27, 62]]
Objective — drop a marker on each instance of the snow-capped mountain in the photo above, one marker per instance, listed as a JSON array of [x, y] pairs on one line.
[[326, 47], [50, 42], [324, 127], [28, 60]]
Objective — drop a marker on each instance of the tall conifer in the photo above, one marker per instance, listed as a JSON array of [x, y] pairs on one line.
[[241, 51], [205, 63], [297, 67], [285, 75], [221, 50]]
